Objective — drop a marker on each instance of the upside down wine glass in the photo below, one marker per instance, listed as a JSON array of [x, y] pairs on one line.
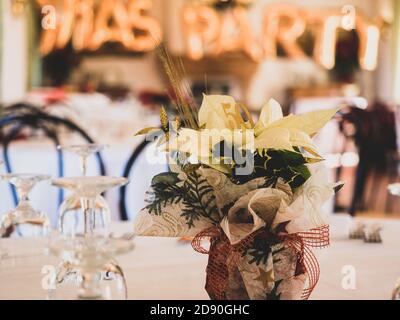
[[89, 259], [88, 256], [394, 189], [88, 190], [69, 210], [3, 252], [24, 218]]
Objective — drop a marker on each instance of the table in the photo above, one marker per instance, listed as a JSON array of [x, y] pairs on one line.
[[160, 268]]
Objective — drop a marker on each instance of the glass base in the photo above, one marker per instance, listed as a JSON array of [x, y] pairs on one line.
[[26, 222], [24, 213], [108, 284], [89, 266]]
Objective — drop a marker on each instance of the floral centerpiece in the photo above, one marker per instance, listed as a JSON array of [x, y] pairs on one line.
[[254, 189]]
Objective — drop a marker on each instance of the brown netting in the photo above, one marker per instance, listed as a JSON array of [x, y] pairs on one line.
[[317, 237], [223, 256]]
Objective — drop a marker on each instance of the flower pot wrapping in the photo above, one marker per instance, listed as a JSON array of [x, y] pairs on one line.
[[260, 235]]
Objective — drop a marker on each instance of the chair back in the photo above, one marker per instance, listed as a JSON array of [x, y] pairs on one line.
[[140, 170], [20, 119]]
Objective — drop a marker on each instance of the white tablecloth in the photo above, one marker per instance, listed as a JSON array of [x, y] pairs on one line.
[[160, 268]]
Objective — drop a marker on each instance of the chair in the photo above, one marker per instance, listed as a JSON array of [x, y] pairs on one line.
[[131, 164], [21, 116]]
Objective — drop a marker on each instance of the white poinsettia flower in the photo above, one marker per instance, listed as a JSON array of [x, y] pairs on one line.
[[270, 113], [275, 131], [219, 112], [220, 119], [274, 138]]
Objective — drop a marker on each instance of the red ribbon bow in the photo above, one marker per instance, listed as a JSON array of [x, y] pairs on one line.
[[223, 256]]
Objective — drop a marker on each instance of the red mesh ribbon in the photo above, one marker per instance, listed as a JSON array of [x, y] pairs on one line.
[[223, 256], [302, 242]]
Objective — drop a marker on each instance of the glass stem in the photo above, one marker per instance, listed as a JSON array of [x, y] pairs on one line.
[[23, 196], [88, 207], [84, 165]]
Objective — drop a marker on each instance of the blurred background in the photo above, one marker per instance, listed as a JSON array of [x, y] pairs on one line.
[[93, 63]]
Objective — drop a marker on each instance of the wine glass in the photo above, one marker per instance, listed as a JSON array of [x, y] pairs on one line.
[[83, 151], [72, 203], [87, 189], [24, 217], [89, 257], [394, 189], [3, 252]]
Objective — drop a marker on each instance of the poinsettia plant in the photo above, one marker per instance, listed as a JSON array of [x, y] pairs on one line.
[[254, 188]]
